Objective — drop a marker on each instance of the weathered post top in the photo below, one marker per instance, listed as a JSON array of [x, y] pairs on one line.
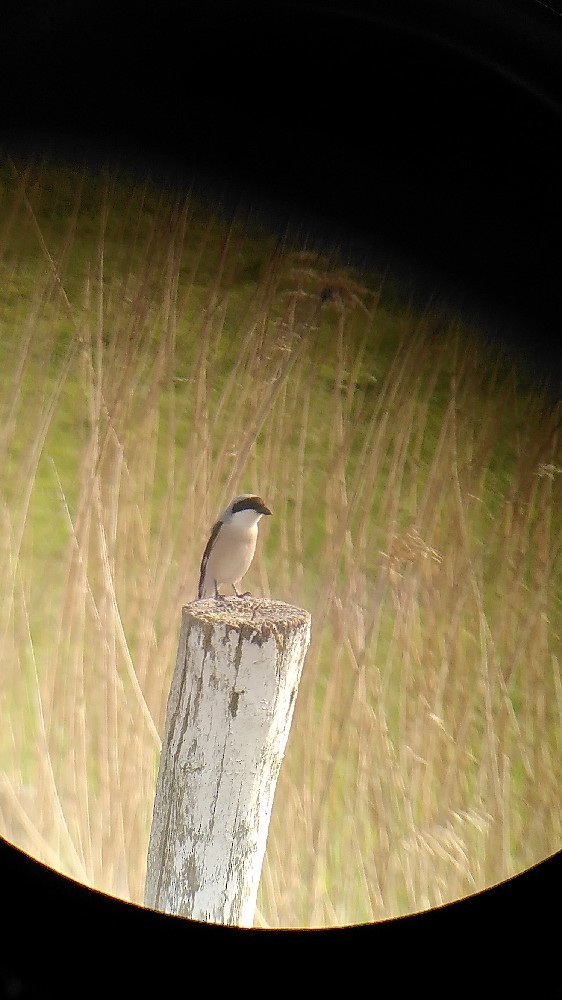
[[229, 713], [257, 618]]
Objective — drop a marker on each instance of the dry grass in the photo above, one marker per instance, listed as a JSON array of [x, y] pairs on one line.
[[154, 363]]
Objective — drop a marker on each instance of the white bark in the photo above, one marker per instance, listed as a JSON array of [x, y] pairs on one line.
[[229, 713]]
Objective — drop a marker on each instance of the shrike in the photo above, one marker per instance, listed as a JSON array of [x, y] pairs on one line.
[[232, 544]]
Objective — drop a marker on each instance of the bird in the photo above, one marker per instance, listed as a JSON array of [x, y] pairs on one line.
[[231, 546]]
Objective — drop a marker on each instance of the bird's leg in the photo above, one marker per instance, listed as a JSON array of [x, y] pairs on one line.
[[246, 594], [218, 597]]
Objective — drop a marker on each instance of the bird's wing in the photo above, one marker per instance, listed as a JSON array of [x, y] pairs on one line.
[[215, 530]]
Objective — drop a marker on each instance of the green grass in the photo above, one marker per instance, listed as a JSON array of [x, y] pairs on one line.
[[155, 360]]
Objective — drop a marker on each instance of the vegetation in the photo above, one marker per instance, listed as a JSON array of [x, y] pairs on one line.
[[156, 360]]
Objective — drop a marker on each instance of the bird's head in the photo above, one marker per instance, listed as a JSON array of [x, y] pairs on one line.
[[245, 509]]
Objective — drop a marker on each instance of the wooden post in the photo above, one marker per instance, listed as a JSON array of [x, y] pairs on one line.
[[228, 718]]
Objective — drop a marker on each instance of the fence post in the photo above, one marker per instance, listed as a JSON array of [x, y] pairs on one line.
[[229, 713]]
